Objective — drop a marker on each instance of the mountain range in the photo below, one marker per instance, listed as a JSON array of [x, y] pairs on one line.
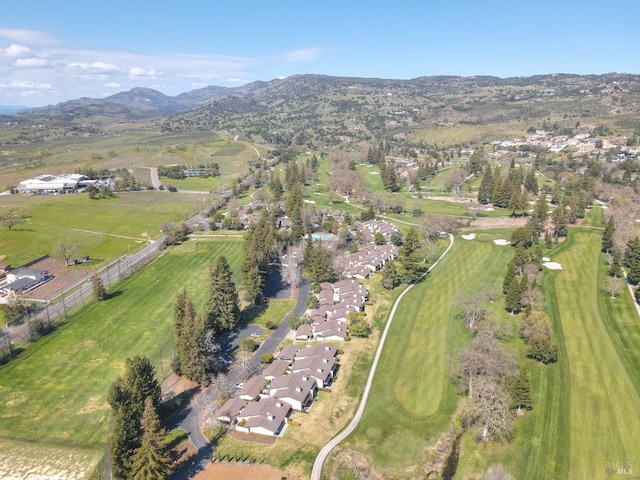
[[301, 107]]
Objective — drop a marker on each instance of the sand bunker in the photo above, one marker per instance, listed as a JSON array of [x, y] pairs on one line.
[[374, 173], [308, 201], [489, 209], [502, 241], [546, 259], [471, 236], [552, 265]]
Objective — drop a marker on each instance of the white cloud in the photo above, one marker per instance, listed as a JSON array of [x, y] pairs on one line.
[[32, 93], [27, 36], [301, 55], [95, 67], [31, 62], [19, 84], [14, 50], [136, 72], [67, 72]]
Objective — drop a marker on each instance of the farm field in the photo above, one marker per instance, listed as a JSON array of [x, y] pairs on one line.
[[412, 399], [104, 228], [128, 149], [65, 405]]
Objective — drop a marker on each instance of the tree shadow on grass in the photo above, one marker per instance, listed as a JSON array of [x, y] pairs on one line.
[[251, 312], [115, 294]]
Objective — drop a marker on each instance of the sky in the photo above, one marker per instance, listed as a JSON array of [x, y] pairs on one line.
[[51, 52]]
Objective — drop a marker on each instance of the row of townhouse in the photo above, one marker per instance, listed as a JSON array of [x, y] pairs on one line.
[[363, 263], [335, 302], [289, 383], [370, 226]]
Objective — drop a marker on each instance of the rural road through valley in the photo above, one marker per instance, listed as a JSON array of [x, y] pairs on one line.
[[326, 450]]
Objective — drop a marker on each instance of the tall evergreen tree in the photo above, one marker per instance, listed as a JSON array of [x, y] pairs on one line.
[[411, 256], [223, 312], [509, 276], [632, 261], [191, 349], [150, 460], [485, 192], [607, 236], [317, 263], [389, 275], [530, 182], [127, 397], [615, 269], [514, 296], [520, 390]]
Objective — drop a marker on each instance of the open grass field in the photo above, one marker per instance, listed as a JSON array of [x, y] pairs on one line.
[[461, 134], [412, 399], [65, 403], [104, 228]]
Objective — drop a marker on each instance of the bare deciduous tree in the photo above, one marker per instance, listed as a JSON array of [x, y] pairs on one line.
[[471, 307], [66, 249], [494, 411], [612, 285], [483, 357], [10, 217]]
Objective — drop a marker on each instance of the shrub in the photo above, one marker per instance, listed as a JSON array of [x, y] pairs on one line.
[[247, 345], [271, 324], [266, 357]]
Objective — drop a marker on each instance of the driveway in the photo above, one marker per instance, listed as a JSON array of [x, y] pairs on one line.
[[188, 417]]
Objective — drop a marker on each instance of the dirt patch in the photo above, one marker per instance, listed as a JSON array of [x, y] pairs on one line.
[[232, 471], [182, 455], [174, 385], [487, 223], [64, 277], [251, 437]]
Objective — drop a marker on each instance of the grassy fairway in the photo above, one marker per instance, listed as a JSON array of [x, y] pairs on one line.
[[604, 367], [56, 390], [412, 398], [585, 406]]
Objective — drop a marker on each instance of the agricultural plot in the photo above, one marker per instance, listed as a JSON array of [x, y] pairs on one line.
[[104, 228], [65, 403]]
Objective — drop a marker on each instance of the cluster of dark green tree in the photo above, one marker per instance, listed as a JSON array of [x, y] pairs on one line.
[[631, 260], [196, 331], [176, 172], [377, 154], [95, 193], [259, 250], [413, 258], [509, 191], [137, 439], [521, 287], [176, 234], [317, 262]]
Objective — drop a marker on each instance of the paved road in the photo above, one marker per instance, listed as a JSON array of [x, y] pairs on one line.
[[188, 418], [326, 450]]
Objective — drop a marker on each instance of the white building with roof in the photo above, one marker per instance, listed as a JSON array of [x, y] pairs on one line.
[[54, 184]]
